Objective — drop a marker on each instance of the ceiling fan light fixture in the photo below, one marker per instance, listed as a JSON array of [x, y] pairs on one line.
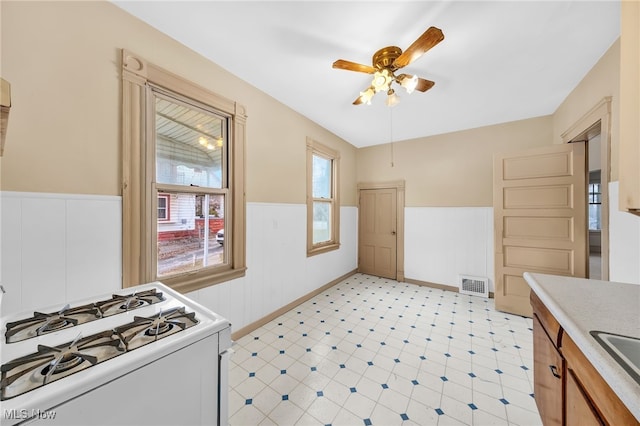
[[392, 98], [366, 96], [381, 80], [409, 83]]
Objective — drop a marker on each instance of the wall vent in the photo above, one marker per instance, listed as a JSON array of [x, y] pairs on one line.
[[475, 286]]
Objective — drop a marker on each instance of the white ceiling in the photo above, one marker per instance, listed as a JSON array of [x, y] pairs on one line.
[[500, 61]]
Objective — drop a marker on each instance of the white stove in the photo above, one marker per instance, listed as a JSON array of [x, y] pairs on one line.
[[146, 355]]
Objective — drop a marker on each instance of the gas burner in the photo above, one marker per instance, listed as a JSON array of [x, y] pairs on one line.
[[145, 330], [123, 303], [52, 363], [43, 323]]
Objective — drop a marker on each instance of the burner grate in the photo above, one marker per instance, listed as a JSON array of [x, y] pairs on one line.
[[43, 323], [52, 363], [144, 330]]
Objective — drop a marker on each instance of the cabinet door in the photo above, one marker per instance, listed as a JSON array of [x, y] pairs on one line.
[[579, 410], [547, 376]]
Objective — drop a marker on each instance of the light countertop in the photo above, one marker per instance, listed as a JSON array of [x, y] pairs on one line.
[[581, 305]]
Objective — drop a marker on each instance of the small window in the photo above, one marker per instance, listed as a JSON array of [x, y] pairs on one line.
[[595, 207], [164, 207], [323, 205]]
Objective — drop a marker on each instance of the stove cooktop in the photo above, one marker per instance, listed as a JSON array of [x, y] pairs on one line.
[[47, 364]]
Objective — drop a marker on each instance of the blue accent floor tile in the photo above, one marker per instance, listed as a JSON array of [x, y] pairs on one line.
[[472, 406], [439, 411], [404, 416], [504, 401]]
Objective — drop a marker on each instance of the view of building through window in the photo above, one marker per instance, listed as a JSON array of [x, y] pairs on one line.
[[322, 199], [190, 145]]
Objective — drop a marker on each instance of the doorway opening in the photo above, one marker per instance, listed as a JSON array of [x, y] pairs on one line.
[[595, 129]]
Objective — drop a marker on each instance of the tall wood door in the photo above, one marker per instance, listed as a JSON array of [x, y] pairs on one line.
[[540, 220], [377, 235]]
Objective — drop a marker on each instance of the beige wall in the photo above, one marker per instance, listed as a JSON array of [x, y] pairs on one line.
[[453, 169], [62, 60], [601, 81]]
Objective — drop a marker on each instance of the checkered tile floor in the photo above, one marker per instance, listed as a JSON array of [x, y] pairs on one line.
[[373, 351]]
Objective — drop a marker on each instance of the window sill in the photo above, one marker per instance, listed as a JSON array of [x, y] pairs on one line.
[[196, 281], [322, 249]]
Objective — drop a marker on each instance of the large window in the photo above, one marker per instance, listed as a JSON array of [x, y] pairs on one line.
[[323, 203], [183, 181]]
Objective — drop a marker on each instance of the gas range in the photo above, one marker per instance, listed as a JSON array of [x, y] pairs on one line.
[[58, 354]]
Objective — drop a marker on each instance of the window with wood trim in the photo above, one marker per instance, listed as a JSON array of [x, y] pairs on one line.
[[323, 201], [183, 180]]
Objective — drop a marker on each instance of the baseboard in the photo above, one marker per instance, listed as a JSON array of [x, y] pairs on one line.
[[438, 286], [275, 314]]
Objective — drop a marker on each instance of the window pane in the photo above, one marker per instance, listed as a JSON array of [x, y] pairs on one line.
[[594, 216], [189, 146], [321, 222], [321, 177], [192, 231]]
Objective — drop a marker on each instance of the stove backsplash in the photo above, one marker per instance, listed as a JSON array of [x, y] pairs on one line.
[[52, 244]]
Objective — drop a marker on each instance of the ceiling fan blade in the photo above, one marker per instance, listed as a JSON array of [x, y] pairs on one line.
[[352, 66], [358, 101], [424, 85], [426, 41]]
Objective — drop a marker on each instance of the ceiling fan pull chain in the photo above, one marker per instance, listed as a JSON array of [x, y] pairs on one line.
[[391, 133]]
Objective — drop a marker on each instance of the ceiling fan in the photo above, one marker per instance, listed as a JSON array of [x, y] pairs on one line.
[[387, 61]]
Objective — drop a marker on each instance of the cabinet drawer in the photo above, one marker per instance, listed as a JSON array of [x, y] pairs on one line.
[[548, 322]]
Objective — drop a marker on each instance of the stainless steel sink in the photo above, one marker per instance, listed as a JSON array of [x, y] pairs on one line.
[[624, 349]]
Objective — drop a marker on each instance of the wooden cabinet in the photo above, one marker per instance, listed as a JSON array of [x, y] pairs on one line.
[[568, 389], [580, 411], [629, 168], [548, 367]]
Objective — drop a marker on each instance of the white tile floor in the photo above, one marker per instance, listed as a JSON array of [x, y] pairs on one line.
[[373, 351]]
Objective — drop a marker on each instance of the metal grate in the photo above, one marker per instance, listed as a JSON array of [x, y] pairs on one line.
[[475, 286]]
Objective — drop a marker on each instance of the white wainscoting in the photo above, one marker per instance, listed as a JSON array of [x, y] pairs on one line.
[[443, 242], [624, 241], [58, 248], [279, 270]]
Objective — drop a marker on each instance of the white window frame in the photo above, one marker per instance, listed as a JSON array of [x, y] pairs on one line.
[[167, 208]]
